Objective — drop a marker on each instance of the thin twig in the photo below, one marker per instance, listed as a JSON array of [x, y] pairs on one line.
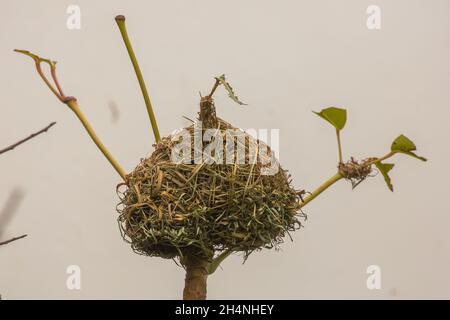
[[55, 80], [11, 147], [12, 239], [52, 64], [10, 208], [216, 85]]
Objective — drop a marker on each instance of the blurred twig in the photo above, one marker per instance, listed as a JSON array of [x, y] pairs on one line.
[[115, 112], [10, 208], [8, 211]]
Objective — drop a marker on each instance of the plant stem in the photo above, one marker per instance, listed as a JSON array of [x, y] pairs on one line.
[[52, 64], [338, 176], [73, 105], [338, 135], [196, 276], [321, 189], [71, 102], [216, 84], [123, 31], [386, 156], [218, 260]]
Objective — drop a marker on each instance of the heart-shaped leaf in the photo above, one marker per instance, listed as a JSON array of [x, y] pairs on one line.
[[404, 145], [384, 168], [336, 116]]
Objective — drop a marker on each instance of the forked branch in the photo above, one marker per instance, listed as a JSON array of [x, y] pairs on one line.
[[71, 102]]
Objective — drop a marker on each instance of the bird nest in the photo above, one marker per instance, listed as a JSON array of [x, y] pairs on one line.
[[169, 209]]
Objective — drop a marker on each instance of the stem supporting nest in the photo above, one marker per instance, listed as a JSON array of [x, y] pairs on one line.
[[208, 113], [196, 276]]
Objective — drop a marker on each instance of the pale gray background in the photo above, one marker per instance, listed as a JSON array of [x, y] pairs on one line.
[[284, 58]]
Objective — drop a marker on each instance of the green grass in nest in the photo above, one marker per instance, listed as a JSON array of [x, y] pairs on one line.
[[170, 209]]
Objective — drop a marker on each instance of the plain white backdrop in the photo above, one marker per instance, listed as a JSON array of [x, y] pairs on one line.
[[284, 59]]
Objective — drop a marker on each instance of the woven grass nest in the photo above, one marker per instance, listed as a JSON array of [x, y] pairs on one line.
[[172, 209]]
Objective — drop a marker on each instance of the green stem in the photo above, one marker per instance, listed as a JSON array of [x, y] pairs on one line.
[[123, 31], [338, 176], [73, 105], [321, 189], [390, 154], [338, 135], [218, 260], [71, 102]]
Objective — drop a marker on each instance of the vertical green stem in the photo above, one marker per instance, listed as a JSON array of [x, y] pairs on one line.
[[123, 31], [338, 135]]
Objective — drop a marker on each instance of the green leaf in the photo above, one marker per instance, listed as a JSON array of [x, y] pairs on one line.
[[336, 116], [384, 168], [404, 145], [227, 86]]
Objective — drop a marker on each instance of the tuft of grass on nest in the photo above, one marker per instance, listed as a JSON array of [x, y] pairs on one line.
[[169, 209], [356, 172]]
